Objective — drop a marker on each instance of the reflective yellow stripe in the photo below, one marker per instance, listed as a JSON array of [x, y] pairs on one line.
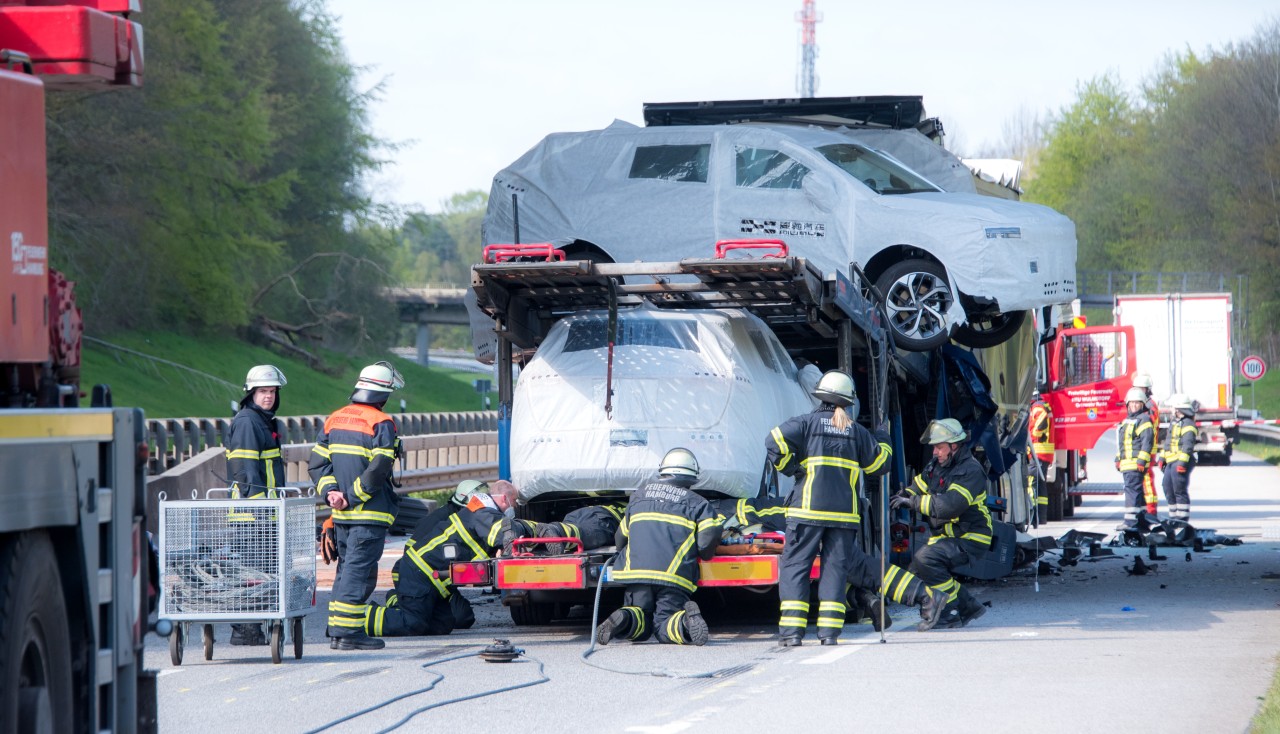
[[389, 453], [382, 518], [885, 452], [795, 606], [793, 622], [245, 454], [785, 450], [663, 517], [350, 449], [358, 488], [466, 538], [320, 450], [639, 575]]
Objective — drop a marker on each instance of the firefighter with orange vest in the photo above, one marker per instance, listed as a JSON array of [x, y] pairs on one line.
[[1149, 495], [352, 465], [1040, 449]]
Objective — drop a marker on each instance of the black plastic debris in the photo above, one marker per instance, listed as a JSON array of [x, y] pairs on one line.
[[1141, 568]]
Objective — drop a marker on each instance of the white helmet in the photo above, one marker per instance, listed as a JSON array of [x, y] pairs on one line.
[[380, 377], [946, 430], [1136, 395], [681, 462], [836, 388], [1142, 380], [466, 488], [264, 375], [1182, 403]]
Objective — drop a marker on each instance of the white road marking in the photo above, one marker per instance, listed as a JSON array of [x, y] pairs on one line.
[[825, 658]]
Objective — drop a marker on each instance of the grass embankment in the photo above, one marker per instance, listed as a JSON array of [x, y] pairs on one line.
[[207, 373]]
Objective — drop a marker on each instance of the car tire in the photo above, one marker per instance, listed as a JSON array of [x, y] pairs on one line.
[[917, 297], [989, 331]]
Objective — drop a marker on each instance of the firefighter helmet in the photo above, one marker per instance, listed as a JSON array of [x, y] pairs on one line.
[[466, 488], [1182, 403], [946, 430], [1142, 380], [1136, 395], [380, 377], [681, 462], [835, 388], [264, 375]]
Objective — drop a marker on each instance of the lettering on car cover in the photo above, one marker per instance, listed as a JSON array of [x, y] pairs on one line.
[[782, 227]]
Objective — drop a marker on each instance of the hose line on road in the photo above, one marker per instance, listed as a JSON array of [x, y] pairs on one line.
[[439, 677]]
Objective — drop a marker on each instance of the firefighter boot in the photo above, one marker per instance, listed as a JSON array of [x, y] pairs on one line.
[[970, 608], [870, 603], [360, 641], [932, 605], [697, 626], [617, 623]]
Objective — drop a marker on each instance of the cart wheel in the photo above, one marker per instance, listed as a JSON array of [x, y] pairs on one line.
[[176, 641], [277, 642], [297, 638], [208, 642]]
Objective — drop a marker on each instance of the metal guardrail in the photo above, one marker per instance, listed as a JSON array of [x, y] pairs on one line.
[[172, 441], [1269, 435]]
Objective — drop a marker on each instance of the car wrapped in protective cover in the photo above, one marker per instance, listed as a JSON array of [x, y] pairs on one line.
[[712, 381]]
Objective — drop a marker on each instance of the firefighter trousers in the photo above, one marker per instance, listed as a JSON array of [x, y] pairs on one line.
[[837, 548], [1135, 502], [359, 550], [1176, 485], [415, 607], [593, 533], [899, 584], [934, 563], [653, 609]]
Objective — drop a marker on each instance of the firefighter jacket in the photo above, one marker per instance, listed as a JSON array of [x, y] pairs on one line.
[[355, 454], [954, 498], [595, 526], [770, 513], [827, 464], [253, 454], [1040, 429], [666, 529], [474, 532], [1135, 438], [1183, 435]]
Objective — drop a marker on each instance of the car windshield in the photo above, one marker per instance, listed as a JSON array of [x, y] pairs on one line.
[[875, 170]]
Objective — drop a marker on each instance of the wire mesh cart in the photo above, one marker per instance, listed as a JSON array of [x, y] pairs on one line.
[[238, 561]]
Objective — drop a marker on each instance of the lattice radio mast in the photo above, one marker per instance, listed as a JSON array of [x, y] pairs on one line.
[[807, 80]]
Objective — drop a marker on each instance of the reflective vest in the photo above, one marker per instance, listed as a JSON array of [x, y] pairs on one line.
[[1040, 429], [1134, 441]]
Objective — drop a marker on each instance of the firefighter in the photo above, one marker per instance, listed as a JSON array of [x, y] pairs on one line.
[[1149, 496], [1135, 440], [1040, 450], [827, 453], [951, 492], [255, 468], [352, 465], [1180, 458], [770, 513], [595, 526], [474, 525], [666, 529]]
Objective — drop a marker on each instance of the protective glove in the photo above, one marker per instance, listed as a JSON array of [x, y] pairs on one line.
[[328, 542], [900, 501], [1117, 465], [1160, 462], [1142, 466], [1180, 468]]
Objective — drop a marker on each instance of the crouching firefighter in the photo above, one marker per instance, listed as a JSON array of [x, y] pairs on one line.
[[952, 493], [352, 465], [827, 453], [666, 529], [473, 525]]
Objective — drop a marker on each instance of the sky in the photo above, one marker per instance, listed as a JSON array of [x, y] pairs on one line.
[[467, 86]]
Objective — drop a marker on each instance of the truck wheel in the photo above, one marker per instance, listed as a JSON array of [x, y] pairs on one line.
[[35, 650], [917, 297], [1068, 506], [989, 330], [1057, 499], [532, 614]]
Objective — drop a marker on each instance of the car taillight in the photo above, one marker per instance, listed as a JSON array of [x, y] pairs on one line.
[[470, 573], [899, 537]]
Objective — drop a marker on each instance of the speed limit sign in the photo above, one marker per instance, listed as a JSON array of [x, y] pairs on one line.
[[1253, 368]]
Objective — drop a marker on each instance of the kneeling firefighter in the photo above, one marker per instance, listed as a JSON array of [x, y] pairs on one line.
[[473, 525]]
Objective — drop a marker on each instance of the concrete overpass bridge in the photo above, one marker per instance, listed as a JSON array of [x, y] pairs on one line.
[[428, 306]]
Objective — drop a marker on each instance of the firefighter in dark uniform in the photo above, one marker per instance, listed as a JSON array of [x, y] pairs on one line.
[[666, 529], [952, 493], [595, 526], [1040, 450], [352, 465], [473, 525], [899, 585], [827, 453], [770, 513], [1135, 440], [255, 468], [1180, 458], [1149, 495]]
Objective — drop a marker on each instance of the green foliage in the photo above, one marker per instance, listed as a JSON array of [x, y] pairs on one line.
[[217, 366], [439, 249]]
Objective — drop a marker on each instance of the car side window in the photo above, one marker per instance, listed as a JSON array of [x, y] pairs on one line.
[[671, 162], [761, 168]]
